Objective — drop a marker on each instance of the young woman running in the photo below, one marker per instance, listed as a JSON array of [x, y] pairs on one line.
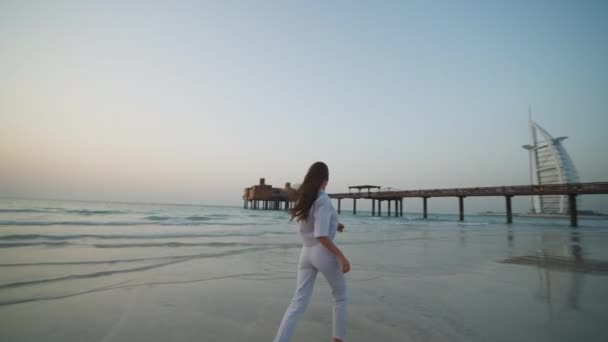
[[317, 222]]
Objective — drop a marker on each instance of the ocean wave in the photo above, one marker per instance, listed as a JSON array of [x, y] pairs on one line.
[[219, 216], [136, 260], [84, 212], [198, 218], [197, 244], [21, 237], [31, 244], [172, 244], [130, 223], [69, 223], [253, 276], [189, 218], [22, 210], [213, 223], [122, 271], [95, 212], [128, 245], [157, 218]]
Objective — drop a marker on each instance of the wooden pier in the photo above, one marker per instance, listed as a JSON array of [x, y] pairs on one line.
[[571, 190], [264, 196]]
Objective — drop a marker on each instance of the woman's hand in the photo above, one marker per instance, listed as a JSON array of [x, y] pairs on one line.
[[327, 243], [340, 227], [345, 264]]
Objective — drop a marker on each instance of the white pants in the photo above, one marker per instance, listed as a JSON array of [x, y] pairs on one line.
[[314, 259]]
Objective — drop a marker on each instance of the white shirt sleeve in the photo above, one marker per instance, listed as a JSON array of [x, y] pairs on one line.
[[322, 217]]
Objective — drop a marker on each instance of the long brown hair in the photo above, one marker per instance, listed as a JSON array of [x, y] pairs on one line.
[[307, 192]]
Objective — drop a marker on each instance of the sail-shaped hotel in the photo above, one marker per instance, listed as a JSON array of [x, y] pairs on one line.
[[549, 164]]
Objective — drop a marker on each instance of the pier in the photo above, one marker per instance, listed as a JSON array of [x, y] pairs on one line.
[[572, 190], [264, 196]]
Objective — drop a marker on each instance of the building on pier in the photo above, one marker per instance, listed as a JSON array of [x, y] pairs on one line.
[[264, 196]]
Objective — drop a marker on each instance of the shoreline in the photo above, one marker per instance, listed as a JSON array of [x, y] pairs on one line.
[[558, 216]]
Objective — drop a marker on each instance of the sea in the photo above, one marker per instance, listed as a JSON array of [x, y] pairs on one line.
[[99, 271]]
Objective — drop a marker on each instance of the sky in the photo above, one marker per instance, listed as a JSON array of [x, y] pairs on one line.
[[192, 101]]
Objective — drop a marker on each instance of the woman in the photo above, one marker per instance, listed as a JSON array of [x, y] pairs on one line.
[[317, 222]]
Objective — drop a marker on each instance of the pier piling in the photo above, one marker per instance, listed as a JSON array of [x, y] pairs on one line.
[[573, 211], [424, 208], [461, 207], [509, 211]]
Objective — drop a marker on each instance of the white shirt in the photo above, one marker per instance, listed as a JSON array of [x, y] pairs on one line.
[[322, 221]]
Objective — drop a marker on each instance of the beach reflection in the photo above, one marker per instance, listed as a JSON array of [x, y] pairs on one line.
[[551, 286], [577, 277], [562, 266]]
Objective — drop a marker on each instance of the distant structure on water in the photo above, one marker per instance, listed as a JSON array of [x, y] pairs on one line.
[[264, 196], [549, 164]]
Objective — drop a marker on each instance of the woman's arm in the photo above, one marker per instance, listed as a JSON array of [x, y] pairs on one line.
[[322, 217], [327, 243]]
